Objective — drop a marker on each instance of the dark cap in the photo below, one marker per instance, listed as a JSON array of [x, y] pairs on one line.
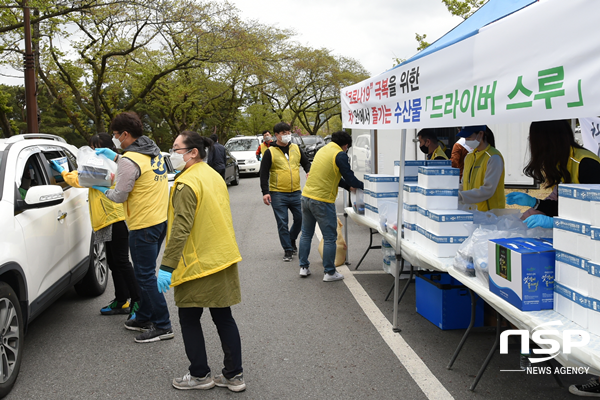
[[467, 131]]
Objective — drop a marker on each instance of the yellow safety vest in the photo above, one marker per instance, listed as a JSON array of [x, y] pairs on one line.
[[103, 212], [438, 152], [285, 174], [211, 245], [575, 159], [474, 174], [147, 203], [324, 178], [263, 148]]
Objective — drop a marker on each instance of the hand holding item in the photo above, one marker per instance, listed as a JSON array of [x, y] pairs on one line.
[[56, 166], [521, 199], [543, 221], [163, 281], [103, 189], [108, 153]]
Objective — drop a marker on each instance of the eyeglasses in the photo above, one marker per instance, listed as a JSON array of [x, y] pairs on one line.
[[171, 151]]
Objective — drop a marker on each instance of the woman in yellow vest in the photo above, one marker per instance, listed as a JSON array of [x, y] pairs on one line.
[[555, 158], [200, 262], [483, 174], [108, 223]]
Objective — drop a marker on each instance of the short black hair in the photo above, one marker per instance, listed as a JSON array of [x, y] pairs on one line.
[[267, 131], [341, 138], [128, 121], [428, 133], [282, 127], [102, 139], [192, 140], [214, 137]]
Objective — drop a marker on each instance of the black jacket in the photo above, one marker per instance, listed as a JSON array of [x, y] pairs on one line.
[[216, 157]]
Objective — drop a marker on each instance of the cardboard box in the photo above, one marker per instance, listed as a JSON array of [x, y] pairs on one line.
[[375, 199], [445, 302], [573, 237], [449, 222], [437, 199], [517, 273], [409, 214], [411, 168], [438, 163], [573, 202], [410, 193], [572, 305], [438, 177], [422, 217], [381, 183], [594, 198], [572, 271], [595, 243]]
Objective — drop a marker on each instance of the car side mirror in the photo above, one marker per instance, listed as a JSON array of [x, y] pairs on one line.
[[40, 197], [367, 147]]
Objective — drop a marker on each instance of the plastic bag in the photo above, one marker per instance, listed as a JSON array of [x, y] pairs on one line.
[[95, 170], [359, 203], [388, 216], [340, 252]]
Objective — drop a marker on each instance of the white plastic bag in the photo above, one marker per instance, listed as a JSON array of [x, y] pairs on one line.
[[95, 170], [388, 216]]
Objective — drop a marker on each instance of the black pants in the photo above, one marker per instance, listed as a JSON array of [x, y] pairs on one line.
[[193, 339], [117, 255]]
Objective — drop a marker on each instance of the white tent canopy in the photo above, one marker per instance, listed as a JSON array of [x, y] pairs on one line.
[[539, 63]]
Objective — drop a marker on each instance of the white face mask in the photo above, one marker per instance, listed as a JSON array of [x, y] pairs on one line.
[[178, 162], [472, 144], [286, 138], [117, 143]]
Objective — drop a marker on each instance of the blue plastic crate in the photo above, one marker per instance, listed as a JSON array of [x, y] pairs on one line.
[[445, 302]]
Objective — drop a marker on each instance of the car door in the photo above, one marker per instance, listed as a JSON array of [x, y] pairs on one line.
[[229, 167], [44, 230]]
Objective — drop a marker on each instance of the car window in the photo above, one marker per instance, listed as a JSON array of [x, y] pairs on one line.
[[31, 175], [56, 178], [242, 145]]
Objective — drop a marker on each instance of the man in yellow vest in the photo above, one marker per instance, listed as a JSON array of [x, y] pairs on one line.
[[264, 145], [429, 144], [142, 187], [280, 185], [330, 169], [483, 174]]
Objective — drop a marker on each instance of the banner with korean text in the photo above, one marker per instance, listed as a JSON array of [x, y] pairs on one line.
[[540, 63]]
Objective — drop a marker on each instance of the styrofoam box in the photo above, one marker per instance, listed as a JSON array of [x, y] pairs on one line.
[[595, 237], [371, 212], [572, 271], [409, 213], [422, 217], [572, 237], [421, 236], [571, 304], [409, 231], [593, 269], [438, 163], [411, 167], [443, 246], [573, 202], [381, 183], [594, 317], [594, 197], [410, 193], [375, 199], [437, 199], [449, 222], [439, 177]]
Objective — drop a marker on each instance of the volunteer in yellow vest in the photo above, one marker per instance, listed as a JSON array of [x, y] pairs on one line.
[[429, 144], [280, 185], [142, 186], [200, 262], [264, 145], [555, 158], [330, 169], [483, 176], [108, 223]]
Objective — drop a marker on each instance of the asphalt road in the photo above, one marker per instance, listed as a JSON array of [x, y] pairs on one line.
[[301, 338]]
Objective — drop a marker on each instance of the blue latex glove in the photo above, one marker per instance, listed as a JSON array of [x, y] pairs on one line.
[[521, 199], [540, 220], [163, 281], [56, 166], [103, 189], [108, 153]]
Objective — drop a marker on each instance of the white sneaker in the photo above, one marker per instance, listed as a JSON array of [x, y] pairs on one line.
[[336, 276], [304, 272]]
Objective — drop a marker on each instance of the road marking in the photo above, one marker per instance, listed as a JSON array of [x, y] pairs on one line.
[[429, 384], [378, 272]]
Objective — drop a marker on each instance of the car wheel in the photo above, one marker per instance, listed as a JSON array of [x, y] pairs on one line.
[[95, 280], [236, 178], [11, 338]]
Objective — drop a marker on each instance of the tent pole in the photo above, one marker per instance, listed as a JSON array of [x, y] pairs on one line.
[[399, 229]]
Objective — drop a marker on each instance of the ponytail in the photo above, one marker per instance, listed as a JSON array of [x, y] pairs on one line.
[[192, 140]]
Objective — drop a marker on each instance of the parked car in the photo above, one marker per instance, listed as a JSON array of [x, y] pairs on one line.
[[312, 144], [46, 241], [327, 139], [243, 149], [360, 154], [232, 171]]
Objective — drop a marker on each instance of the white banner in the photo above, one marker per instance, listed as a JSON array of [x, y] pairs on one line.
[[540, 63], [590, 134]]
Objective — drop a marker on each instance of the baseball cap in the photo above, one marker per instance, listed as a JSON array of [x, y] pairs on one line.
[[467, 131]]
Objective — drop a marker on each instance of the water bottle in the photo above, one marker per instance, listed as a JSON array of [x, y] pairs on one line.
[[524, 361]]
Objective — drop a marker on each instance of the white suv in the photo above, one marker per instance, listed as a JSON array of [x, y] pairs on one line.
[[243, 148], [46, 242]]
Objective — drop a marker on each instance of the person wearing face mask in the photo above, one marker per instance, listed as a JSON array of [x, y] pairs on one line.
[[200, 262], [264, 145], [280, 185], [483, 176], [429, 144], [142, 187]]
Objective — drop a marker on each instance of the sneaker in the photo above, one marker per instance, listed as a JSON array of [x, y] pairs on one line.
[[294, 249], [116, 307], [133, 309], [336, 276], [304, 272], [589, 389], [155, 334], [191, 382], [235, 384], [288, 255], [135, 325]]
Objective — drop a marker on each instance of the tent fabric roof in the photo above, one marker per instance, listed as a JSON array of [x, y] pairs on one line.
[[490, 12]]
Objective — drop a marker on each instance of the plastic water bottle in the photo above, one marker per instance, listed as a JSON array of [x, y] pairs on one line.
[[524, 361], [470, 269]]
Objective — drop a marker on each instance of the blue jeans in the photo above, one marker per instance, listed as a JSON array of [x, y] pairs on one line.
[[281, 203], [144, 245], [314, 211]]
